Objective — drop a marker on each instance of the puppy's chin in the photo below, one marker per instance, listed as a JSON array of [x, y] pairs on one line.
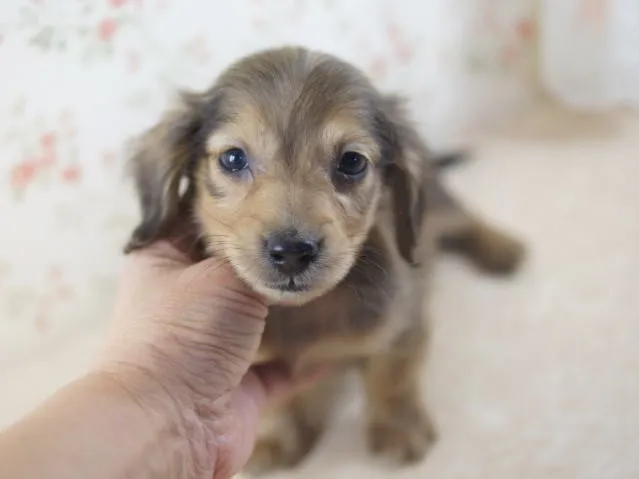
[[288, 298], [281, 296]]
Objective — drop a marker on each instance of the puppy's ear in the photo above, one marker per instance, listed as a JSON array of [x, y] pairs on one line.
[[163, 157], [407, 168]]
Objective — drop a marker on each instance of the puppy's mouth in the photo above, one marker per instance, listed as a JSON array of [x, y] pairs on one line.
[[292, 285], [293, 290]]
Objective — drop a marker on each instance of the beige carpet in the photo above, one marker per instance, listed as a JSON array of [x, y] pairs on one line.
[[534, 378]]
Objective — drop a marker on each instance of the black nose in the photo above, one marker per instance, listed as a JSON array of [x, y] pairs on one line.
[[291, 254]]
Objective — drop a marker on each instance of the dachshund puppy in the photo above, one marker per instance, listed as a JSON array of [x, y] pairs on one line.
[[323, 197]]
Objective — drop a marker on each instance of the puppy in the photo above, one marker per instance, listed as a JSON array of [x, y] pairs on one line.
[[323, 197]]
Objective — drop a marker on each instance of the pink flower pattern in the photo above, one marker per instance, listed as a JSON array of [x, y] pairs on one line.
[[106, 29], [594, 12], [23, 173], [72, 174]]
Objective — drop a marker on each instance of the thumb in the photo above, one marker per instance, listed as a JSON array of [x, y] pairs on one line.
[[218, 322], [215, 280]]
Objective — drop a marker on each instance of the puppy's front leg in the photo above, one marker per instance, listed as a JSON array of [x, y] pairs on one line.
[[293, 430], [398, 424]]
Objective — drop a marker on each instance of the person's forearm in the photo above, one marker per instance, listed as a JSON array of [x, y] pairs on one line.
[[97, 428]]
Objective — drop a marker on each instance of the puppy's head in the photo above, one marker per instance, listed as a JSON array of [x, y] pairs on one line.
[[286, 158]]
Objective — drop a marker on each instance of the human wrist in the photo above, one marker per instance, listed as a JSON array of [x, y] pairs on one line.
[[108, 423], [174, 438]]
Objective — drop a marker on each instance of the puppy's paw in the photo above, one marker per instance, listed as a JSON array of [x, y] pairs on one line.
[[280, 452], [405, 437], [498, 253], [269, 455]]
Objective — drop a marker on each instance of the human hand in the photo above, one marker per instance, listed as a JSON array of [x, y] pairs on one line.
[[183, 339]]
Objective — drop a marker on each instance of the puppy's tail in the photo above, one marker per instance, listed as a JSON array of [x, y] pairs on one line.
[[443, 161]]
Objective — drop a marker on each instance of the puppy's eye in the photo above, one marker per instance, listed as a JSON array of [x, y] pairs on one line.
[[233, 160], [352, 164]]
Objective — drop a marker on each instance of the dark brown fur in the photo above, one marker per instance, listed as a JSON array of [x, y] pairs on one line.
[[295, 111]]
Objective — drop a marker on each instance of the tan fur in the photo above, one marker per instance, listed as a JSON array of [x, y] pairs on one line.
[[295, 112]]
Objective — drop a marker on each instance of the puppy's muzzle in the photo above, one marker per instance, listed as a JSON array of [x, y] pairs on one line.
[[290, 253]]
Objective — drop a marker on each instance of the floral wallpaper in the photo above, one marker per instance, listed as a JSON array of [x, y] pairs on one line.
[[80, 77]]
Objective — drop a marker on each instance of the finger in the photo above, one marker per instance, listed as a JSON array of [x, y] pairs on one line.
[[180, 242], [214, 320], [265, 383], [217, 279], [271, 384], [186, 239], [182, 232]]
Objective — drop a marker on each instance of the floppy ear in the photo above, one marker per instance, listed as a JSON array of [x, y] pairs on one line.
[[164, 156], [407, 159]]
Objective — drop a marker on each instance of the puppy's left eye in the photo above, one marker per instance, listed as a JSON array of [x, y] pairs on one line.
[[233, 160], [352, 164]]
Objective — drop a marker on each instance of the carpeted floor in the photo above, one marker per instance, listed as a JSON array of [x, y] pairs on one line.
[[537, 377]]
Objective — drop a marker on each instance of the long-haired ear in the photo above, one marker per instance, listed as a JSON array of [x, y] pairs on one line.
[[163, 157], [407, 168]]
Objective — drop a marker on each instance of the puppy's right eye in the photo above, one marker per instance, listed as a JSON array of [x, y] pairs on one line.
[[352, 165], [233, 160]]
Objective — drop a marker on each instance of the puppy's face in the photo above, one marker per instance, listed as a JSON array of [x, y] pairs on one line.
[[287, 157]]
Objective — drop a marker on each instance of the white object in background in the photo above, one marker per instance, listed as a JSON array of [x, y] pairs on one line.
[[590, 52]]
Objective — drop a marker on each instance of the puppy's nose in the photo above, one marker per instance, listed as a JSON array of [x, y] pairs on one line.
[[291, 254]]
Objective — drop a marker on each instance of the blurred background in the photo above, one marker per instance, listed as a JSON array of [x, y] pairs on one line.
[[534, 377]]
